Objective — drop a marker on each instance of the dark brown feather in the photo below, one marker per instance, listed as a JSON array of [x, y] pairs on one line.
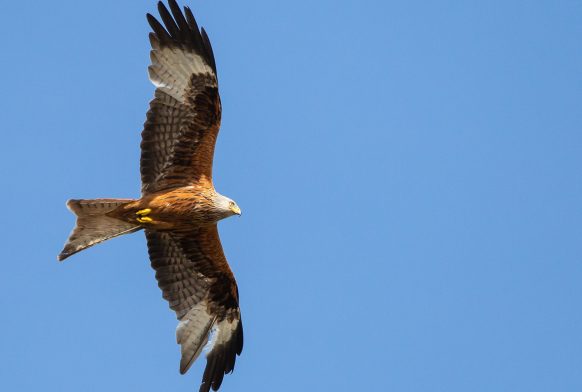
[[179, 35], [209, 51], [169, 22], [196, 38], [183, 27], [221, 360], [179, 134], [159, 30], [191, 267]]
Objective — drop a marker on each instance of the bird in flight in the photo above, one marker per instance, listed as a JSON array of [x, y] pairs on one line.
[[179, 207]]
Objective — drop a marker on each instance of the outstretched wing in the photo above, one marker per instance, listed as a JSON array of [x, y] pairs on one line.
[[197, 282], [184, 117]]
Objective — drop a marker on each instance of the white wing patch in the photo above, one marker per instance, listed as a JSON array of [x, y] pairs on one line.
[[220, 334], [192, 333], [172, 69]]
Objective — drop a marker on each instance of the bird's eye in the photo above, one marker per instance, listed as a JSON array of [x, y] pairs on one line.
[[232, 203]]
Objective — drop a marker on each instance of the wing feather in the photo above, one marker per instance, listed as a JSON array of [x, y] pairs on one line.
[[159, 31], [183, 70], [197, 40], [182, 25], [195, 278], [169, 21], [221, 360]]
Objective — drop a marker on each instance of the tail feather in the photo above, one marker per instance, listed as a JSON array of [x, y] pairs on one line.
[[93, 225]]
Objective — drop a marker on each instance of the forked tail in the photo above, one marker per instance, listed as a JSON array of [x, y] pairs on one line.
[[93, 225]]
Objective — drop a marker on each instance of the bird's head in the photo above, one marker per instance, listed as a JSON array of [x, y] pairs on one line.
[[226, 207]]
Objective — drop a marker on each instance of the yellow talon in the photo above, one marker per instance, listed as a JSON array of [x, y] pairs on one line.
[[144, 212], [144, 219]]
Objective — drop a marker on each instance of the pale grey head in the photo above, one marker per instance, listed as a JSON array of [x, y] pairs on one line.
[[225, 207]]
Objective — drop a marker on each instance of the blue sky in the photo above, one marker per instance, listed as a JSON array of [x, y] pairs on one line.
[[409, 174]]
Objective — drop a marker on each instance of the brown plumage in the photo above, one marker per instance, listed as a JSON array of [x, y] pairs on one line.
[[179, 207]]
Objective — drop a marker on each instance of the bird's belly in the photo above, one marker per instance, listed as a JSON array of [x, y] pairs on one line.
[[175, 213], [181, 208], [172, 217]]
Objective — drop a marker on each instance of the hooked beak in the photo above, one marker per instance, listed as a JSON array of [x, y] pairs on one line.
[[236, 210]]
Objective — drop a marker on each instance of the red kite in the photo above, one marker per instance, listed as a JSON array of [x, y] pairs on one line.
[[179, 207]]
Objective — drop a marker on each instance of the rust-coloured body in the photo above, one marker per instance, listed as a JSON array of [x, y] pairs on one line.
[[179, 209]]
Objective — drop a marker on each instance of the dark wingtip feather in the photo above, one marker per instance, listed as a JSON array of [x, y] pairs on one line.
[[209, 51], [240, 337], [190, 19], [159, 30], [221, 360], [180, 20], [180, 29], [168, 21]]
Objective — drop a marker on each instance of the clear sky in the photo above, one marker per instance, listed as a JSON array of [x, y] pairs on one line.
[[409, 174]]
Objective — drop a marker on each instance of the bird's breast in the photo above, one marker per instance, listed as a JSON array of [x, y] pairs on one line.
[[180, 208]]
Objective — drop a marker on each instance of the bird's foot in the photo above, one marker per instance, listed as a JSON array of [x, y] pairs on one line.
[[143, 212], [142, 215]]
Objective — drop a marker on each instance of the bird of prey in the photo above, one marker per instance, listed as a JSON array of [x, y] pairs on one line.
[[179, 207]]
